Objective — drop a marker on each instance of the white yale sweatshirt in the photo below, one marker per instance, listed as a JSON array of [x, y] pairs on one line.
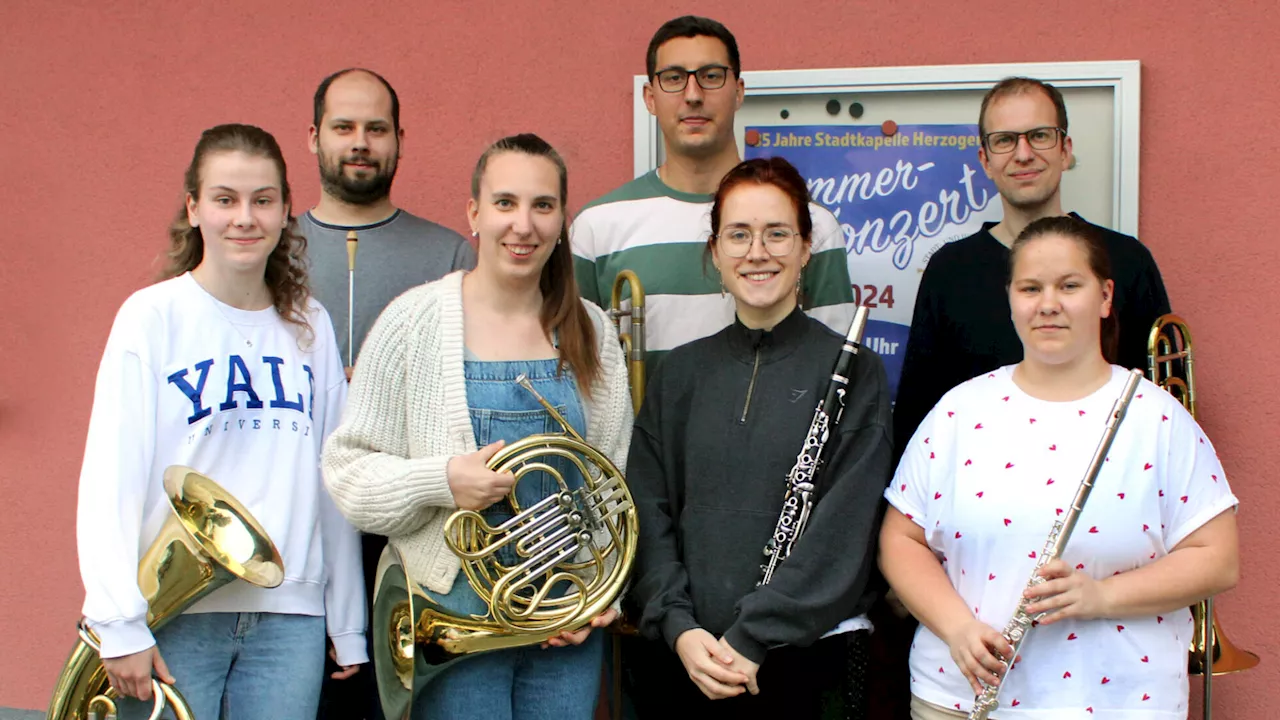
[[237, 396]]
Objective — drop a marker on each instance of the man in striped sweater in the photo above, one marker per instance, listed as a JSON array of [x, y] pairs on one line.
[[657, 225]]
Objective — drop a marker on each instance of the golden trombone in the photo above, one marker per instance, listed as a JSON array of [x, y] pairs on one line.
[[1170, 364], [632, 341], [633, 348]]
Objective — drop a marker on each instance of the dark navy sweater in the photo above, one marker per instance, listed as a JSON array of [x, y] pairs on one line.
[[961, 326]]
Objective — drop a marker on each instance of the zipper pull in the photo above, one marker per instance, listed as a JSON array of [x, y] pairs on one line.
[[750, 388]]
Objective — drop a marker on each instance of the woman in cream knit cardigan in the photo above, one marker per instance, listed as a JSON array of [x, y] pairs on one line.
[[431, 401]]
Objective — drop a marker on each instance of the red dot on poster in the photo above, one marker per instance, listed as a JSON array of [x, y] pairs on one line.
[[889, 128], [753, 137]]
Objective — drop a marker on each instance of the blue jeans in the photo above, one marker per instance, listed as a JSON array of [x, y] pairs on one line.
[[528, 682], [242, 666]]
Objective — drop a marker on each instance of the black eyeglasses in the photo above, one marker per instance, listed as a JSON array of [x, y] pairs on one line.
[[710, 77], [1005, 141]]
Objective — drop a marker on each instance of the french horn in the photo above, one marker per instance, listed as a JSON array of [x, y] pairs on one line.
[[579, 538]]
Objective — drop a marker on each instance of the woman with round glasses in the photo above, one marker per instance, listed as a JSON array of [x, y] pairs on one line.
[[721, 425]]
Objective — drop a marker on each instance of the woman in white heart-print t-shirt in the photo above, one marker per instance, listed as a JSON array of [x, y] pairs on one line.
[[1000, 458]]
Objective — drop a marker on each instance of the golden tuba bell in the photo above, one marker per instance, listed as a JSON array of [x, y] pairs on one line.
[[583, 538], [1170, 364], [632, 341], [208, 541]]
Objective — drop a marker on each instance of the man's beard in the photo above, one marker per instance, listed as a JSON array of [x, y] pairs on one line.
[[356, 191]]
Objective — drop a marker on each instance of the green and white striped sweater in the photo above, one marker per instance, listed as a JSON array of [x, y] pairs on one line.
[[661, 234]]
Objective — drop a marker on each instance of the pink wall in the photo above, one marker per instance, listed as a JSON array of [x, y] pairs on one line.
[[105, 104]]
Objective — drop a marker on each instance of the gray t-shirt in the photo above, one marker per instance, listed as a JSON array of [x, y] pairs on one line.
[[399, 253]]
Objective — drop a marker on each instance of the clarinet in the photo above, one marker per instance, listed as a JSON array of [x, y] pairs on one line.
[[1015, 631], [797, 503]]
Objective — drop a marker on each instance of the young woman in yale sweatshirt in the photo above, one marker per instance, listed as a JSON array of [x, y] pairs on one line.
[[227, 367], [721, 425]]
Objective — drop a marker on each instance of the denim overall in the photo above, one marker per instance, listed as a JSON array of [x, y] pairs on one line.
[[528, 682]]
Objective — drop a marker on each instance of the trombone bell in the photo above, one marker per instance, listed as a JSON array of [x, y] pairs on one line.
[[1226, 657]]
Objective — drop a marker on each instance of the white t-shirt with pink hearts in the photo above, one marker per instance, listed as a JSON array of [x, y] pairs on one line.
[[986, 475]]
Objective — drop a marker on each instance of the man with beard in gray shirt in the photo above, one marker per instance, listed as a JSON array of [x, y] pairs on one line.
[[356, 137]]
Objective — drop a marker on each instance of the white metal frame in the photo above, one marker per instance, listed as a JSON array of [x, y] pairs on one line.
[[1123, 77]]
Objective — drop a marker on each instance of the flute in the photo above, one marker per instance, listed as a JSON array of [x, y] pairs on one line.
[[1015, 631]]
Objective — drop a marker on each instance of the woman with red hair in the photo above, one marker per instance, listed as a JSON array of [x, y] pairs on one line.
[[721, 425]]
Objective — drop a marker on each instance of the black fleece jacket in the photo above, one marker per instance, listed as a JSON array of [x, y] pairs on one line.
[[722, 422]]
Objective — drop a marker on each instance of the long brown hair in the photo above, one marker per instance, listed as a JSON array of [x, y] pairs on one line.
[[562, 310], [286, 272], [1095, 251]]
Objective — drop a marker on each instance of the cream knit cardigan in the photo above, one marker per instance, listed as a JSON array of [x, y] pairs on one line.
[[407, 415]]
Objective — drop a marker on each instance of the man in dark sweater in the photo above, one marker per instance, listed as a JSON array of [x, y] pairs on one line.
[[961, 326]]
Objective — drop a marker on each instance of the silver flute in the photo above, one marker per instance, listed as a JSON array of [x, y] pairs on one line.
[[1015, 632], [797, 504]]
